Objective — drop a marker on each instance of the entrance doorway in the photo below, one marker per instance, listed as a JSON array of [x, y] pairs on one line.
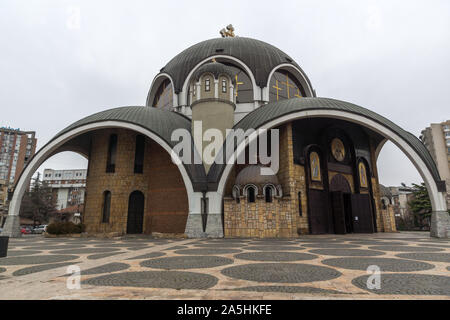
[[135, 220], [341, 205]]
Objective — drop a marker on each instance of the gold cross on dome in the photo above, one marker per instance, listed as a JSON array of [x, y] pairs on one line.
[[277, 88], [237, 84], [288, 86], [298, 95]]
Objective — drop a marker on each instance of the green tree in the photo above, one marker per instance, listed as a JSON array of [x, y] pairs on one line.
[[420, 205], [38, 203]]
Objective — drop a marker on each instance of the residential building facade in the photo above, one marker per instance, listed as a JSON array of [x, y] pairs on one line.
[[16, 149], [68, 186], [437, 140]]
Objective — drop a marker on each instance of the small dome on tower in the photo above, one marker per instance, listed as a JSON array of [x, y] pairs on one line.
[[216, 69], [252, 175]]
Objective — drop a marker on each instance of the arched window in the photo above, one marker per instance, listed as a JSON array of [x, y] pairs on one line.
[[283, 85], [224, 86], [164, 96], [251, 194], [207, 84], [106, 208], [112, 151], [139, 154], [268, 193]]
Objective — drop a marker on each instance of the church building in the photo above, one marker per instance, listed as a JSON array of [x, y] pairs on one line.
[[326, 181]]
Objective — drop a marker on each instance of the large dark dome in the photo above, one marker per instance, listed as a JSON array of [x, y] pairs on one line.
[[259, 56]]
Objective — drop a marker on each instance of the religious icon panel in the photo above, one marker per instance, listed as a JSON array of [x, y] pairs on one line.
[[315, 167], [338, 149], [362, 175]]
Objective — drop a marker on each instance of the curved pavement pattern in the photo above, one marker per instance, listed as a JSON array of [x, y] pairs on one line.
[[411, 264], [408, 284], [281, 272], [156, 279]]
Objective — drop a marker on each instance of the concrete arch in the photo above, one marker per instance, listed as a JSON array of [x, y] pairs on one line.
[[157, 81], [300, 75], [184, 93], [437, 197], [12, 222]]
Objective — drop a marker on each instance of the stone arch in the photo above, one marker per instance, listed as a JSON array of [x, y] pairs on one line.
[[184, 93], [437, 196], [11, 227]]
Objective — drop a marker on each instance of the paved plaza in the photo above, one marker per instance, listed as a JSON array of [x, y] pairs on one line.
[[413, 266]]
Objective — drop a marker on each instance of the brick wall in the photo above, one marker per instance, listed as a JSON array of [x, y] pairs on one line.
[[166, 205]]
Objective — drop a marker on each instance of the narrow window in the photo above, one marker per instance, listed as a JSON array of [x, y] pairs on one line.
[[106, 206], [224, 86], [139, 154], [207, 85], [251, 194], [268, 194], [300, 212], [112, 150]]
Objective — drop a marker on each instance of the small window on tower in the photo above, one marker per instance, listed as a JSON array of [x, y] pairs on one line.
[[224, 86], [207, 84]]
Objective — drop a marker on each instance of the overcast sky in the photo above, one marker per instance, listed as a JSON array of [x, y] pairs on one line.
[[63, 60]]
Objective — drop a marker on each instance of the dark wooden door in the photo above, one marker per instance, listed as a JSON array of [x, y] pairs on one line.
[[338, 209], [318, 211], [362, 214], [135, 213]]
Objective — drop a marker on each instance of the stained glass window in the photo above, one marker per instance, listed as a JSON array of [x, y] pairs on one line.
[[283, 85], [164, 96]]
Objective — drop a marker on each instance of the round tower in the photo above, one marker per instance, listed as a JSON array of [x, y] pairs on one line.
[[212, 99]]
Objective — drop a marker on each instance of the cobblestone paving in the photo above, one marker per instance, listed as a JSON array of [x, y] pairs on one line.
[[156, 279], [148, 256], [37, 259], [272, 248], [385, 264], [39, 268], [347, 252], [331, 245], [189, 262], [409, 284], [85, 251], [281, 272], [15, 253], [433, 257], [412, 265], [107, 268], [275, 256], [103, 255], [289, 289], [206, 251], [405, 248]]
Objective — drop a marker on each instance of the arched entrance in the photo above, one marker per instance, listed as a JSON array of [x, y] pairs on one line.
[[135, 221], [341, 204], [273, 115], [68, 141]]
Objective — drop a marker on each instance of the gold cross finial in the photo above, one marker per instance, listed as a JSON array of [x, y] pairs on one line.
[[228, 32]]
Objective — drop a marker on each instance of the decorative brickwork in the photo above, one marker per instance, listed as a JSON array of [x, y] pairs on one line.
[[259, 219], [166, 205]]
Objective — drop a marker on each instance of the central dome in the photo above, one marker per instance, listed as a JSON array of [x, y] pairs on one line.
[[259, 56]]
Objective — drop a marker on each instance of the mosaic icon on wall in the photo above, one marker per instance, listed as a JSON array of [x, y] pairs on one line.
[[338, 149], [362, 175], [314, 161]]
